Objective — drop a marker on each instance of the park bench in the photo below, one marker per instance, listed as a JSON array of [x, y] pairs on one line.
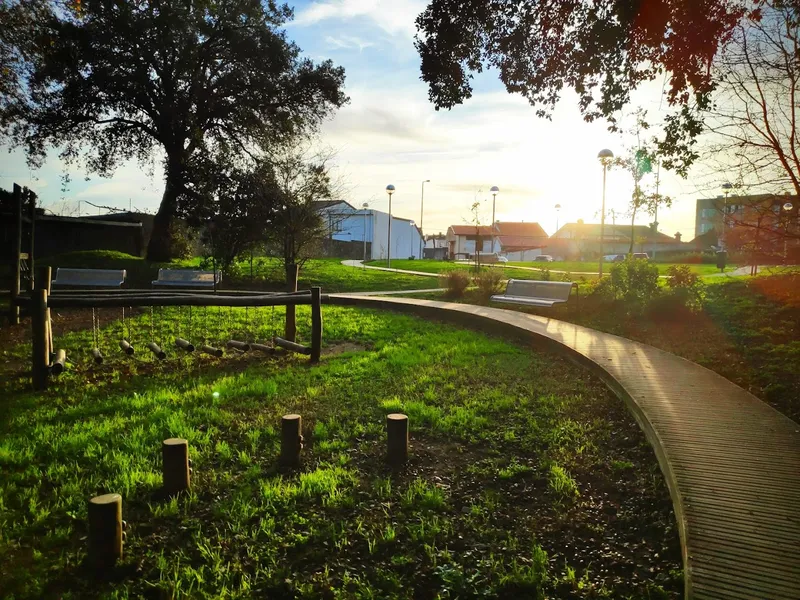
[[536, 293], [89, 277], [187, 278]]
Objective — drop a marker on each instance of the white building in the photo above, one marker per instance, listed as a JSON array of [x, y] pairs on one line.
[[369, 228]]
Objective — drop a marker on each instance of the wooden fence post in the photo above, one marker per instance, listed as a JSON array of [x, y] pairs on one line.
[[105, 530], [16, 251], [290, 331], [40, 359], [175, 465], [44, 277], [291, 440], [316, 324], [397, 438], [31, 250]]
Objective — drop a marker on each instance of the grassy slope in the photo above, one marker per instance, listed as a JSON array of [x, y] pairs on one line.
[[328, 273], [514, 455], [748, 332], [442, 266]]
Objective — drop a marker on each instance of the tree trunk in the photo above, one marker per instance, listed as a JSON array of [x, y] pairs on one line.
[[160, 247], [633, 231]]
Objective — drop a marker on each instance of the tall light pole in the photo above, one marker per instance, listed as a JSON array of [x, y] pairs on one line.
[[726, 188], [390, 191], [421, 208], [606, 156], [494, 189], [788, 207], [365, 206], [558, 208]]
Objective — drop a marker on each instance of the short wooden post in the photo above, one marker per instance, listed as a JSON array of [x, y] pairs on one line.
[[316, 324], [291, 440], [98, 356], [59, 362], [40, 359], [290, 330], [105, 530], [175, 465], [16, 251], [126, 347], [397, 438]]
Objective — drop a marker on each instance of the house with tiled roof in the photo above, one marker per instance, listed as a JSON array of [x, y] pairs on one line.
[[517, 241]]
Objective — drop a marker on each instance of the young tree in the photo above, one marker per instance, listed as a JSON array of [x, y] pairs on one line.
[[602, 49], [183, 82], [301, 176]]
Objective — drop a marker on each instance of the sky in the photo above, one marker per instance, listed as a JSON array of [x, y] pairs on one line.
[[391, 133]]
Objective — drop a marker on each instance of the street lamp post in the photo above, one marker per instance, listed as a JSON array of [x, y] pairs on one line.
[[365, 206], [494, 189], [788, 208], [390, 191], [558, 208], [606, 156], [726, 187], [421, 208]]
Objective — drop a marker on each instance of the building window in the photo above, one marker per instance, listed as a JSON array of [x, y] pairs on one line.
[[708, 213], [336, 223]]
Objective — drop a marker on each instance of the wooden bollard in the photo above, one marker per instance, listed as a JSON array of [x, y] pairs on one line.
[[98, 356], [206, 349], [291, 440], [156, 350], [126, 347], [397, 438], [59, 364], [175, 465], [105, 530], [240, 346], [184, 344]]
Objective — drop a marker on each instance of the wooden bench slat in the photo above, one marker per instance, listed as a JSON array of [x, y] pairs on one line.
[[187, 278], [89, 277]]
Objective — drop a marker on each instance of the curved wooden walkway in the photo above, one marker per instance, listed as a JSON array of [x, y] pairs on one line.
[[731, 461]]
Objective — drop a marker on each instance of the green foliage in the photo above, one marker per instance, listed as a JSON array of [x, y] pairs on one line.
[[541, 49], [489, 282], [456, 281], [634, 282]]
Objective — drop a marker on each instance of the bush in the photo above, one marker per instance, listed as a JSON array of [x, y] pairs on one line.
[[456, 282], [686, 287], [544, 274], [489, 282], [633, 282]]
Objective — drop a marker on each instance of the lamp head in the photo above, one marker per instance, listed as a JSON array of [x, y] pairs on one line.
[[788, 206], [558, 207], [494, 189], [365, 205], [727, 186], [605, 155], [390, 189]]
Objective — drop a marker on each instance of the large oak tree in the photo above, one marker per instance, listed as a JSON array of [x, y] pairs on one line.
[[182, 81]]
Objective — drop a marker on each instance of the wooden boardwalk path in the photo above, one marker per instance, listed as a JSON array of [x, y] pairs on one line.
[[731, 461]]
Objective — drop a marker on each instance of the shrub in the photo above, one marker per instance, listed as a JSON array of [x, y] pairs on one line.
[[456, 282], [544, 274], [489, 282], [685, 288], [633, 282]]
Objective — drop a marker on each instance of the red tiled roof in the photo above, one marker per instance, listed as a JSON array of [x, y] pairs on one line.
[[529, 230], [511, 243], [470, 230]]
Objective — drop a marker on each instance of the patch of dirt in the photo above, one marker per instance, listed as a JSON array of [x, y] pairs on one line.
[[343, 347]]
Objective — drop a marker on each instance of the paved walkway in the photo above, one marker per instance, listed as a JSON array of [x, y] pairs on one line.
[[360, 264], [731, 461]]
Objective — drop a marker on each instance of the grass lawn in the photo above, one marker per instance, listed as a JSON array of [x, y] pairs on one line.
[[267, 273], [747, 331], [442, 266], [593, 267], [527, 477]]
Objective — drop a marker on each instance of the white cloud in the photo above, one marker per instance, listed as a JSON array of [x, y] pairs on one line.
[[347, 42], [395, 17]]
